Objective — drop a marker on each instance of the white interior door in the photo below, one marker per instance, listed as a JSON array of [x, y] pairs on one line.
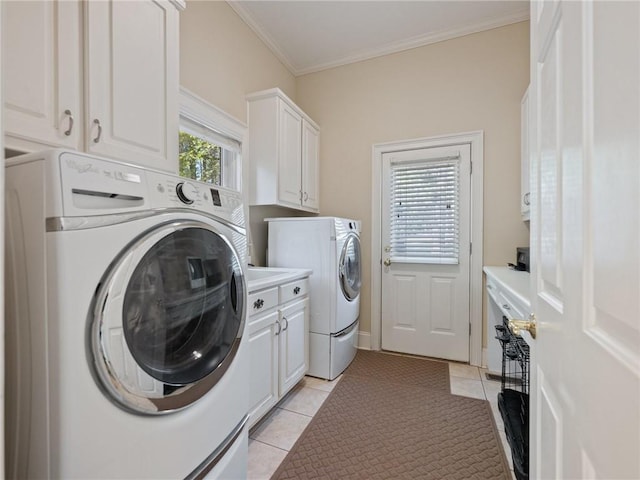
[[585, 240], [425, 251]]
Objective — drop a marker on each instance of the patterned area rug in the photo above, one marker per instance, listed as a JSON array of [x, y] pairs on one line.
[[392, 417]]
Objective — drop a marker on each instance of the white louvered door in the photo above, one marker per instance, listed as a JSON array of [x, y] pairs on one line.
[[425, 250]]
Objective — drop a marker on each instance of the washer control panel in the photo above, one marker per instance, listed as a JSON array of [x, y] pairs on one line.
[[172, 191], [96, 186]]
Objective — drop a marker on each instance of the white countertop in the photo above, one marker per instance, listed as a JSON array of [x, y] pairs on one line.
[[259, 278], [515, 281]]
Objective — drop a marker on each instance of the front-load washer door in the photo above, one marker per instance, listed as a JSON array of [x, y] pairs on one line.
[[168, 317], [349, 267]]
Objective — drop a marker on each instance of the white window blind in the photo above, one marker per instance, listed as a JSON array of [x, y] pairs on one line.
[[425, 211]]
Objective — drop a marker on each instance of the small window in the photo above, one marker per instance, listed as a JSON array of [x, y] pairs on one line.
[[210, 148], [200, 159]]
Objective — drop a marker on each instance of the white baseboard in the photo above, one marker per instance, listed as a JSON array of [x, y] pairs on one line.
[[364, 340]]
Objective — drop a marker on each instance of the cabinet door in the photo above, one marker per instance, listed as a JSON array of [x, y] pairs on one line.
[[524, 157], [132, 72], [290, 157], [294, 344], [310, 166], [263, 365], [41, 74]]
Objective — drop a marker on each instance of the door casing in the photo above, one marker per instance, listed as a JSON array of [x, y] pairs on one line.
[[476, 140]]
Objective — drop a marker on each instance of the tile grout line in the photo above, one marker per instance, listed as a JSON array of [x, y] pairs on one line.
[[299, 413], [269, 444]]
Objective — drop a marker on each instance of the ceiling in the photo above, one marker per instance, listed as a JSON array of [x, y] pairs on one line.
[[309, 36]]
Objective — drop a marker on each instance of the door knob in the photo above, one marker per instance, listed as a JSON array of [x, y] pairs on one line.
[[529, 325], [387, 262]]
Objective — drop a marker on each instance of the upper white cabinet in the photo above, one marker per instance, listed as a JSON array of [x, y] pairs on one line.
[[311, 165], [132, 79], [283, 151], [42, 74], [525, 189], [101, 77]]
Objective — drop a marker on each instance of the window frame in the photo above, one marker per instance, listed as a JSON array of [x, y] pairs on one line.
[[197, 110]]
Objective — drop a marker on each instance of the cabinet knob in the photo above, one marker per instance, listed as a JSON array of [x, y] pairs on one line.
[[258, 304], [68, 113], [97, 122], [296, 290]]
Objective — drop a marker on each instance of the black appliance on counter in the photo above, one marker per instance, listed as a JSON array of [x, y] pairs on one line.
[[522, 259]]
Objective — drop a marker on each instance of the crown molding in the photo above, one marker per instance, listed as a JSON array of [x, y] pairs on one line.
[[244, 14], [396, 47]]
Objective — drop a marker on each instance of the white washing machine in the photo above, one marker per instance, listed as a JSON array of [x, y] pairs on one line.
[[330, 247], [125, 314]]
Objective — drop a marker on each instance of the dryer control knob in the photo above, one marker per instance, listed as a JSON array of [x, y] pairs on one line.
[[187, 192]]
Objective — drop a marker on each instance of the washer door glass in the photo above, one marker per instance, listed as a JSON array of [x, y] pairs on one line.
[[177, 323], [350, 273]]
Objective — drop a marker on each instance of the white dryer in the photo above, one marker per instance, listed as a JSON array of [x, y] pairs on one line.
[[125, 316], [330, 247]]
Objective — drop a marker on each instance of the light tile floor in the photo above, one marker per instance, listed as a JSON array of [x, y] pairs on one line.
[[272, 438]]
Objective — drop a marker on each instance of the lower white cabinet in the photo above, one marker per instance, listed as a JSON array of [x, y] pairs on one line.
[[293, 344], [278, 344]]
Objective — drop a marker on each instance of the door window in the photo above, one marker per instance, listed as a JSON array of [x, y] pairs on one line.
[[350, 273], [168, 318]]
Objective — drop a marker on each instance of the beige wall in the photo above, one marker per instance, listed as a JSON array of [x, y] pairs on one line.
[[465, 84], [470, 83], [222, 60]]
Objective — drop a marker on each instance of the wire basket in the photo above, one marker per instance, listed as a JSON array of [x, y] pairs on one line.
[[513, 399]]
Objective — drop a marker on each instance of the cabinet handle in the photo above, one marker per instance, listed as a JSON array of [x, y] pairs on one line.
[[286, 323], [296, 290], [490, 287], [506, 307], [70, 115], [258, 304], [279, 328], [526, 198], [300, 191], [306, 196], [97, 122], [529, 325]]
